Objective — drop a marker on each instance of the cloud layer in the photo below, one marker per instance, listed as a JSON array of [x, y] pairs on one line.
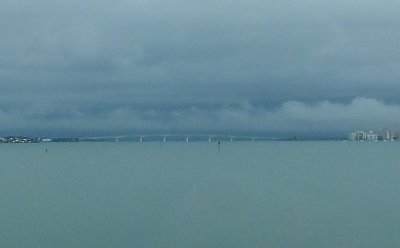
[[283, 65], [290, 117]]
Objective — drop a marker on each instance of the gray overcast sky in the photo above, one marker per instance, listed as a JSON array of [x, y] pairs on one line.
[[92, 66]]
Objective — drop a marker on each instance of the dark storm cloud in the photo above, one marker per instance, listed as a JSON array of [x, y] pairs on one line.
[[185, 65]]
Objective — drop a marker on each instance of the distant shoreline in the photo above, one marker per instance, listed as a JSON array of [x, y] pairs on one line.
[[161, 138]]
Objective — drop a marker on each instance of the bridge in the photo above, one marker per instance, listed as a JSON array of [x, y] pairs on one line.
[[176, 138]]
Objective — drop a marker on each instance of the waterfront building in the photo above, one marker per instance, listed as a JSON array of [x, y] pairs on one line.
[[371, 136], [358, 135]]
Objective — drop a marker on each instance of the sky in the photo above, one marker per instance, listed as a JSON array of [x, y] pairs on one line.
[[86, 67]]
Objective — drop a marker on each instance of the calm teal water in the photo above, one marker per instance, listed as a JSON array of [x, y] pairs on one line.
[[261, 194]]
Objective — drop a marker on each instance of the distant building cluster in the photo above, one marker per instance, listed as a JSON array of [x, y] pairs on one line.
[[23, 139], [19, 139], [384, 134]]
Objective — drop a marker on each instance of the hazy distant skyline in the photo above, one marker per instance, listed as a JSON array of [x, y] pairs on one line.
[[69, 67]]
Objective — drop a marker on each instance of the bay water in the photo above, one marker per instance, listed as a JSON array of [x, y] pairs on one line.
[[178, 194]]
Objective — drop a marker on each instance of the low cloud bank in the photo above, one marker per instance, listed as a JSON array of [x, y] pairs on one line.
[[290, 116]]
